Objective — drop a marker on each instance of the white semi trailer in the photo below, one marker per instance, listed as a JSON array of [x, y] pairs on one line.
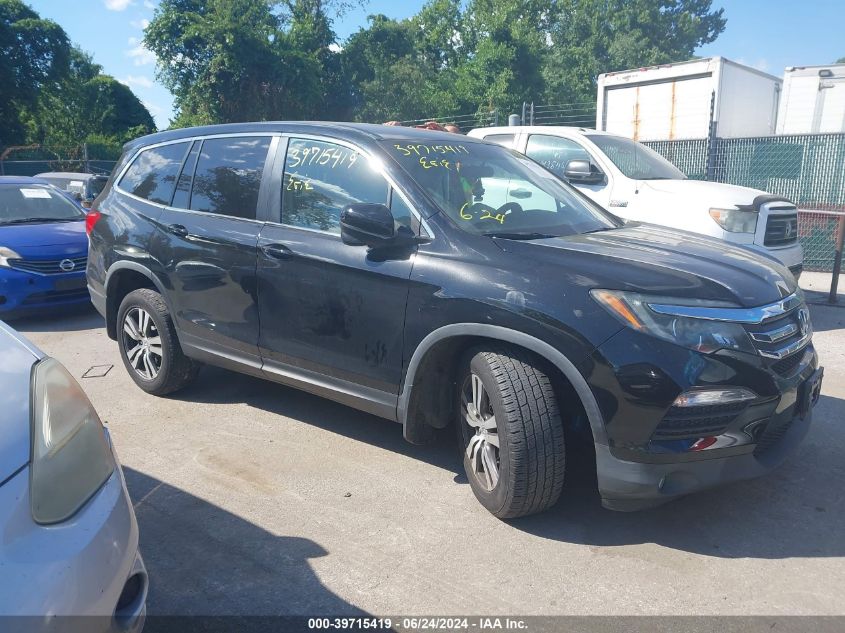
[[673, 101], [813, 100]]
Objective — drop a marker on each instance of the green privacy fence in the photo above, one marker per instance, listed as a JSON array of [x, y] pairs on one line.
[[808, 169]]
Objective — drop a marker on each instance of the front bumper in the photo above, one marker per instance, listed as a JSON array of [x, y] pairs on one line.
[[23, 291], [82, 567], [653, 455], [627, 485]]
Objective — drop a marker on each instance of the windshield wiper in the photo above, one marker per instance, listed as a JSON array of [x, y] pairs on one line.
[[35, 220], [520, 236]]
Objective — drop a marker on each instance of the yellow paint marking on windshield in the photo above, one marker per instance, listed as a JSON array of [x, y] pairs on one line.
[[500, 218], [418, 149], [428, 163], [486, 215]]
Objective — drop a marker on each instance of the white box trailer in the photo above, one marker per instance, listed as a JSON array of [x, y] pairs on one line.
[[813, 100], [673, 101]]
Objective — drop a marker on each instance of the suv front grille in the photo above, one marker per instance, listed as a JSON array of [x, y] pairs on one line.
[[782, 336], [696, 422], [49, 266], [781, 230]]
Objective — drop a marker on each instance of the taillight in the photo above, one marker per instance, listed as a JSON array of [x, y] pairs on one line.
[[91, 219]]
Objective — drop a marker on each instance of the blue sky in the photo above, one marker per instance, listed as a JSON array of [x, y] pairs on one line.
[[767, 34]]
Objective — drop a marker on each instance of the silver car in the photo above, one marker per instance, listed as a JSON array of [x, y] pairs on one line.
[[69, 543]]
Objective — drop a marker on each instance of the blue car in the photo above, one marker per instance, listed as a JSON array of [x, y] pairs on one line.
[[43, 248]]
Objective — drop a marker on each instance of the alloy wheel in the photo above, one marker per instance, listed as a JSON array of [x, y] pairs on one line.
[[482, 451], [142, 343]]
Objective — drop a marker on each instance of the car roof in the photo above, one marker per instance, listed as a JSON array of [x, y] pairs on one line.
[[78, 175], [349, 131], [22, 180]]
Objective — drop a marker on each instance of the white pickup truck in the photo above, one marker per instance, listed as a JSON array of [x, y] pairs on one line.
[[636, 183]]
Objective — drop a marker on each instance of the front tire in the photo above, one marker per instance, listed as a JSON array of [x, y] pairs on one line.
[[149, 346], [510, 432]]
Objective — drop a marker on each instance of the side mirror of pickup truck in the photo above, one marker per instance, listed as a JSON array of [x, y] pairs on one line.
[[367, 224], [583, 172]]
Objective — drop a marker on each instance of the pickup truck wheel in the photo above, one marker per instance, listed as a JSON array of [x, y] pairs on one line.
[[149, 346], [510, 432]]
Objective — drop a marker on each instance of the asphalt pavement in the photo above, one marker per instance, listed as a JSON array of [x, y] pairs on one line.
[[254, 498]]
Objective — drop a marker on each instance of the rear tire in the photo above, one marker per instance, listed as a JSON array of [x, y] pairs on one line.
[[149, 346], [510, 432]]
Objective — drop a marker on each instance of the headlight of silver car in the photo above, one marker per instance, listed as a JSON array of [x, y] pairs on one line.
[[5, 255], [735, 220], [703, 335], [71, 457]]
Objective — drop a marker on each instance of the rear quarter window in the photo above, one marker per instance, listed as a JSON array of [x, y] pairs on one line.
[[152, 175]]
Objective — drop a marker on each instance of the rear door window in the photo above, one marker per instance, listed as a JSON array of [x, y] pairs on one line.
[[505, 140], [228, 175], [152, 175], [322, 178]]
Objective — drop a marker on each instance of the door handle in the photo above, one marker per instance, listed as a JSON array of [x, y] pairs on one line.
[[179, 230], [277, 251]]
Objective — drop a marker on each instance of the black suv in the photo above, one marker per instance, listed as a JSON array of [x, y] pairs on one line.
[[431, 278]]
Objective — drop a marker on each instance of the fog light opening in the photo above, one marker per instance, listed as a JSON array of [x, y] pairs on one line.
[[705, 397], [703, 443], [133, 588]]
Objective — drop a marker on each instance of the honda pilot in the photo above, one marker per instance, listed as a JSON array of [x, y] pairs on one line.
[[435, 280]]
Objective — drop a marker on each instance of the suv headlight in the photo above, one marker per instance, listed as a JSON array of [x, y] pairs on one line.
[[71, 457], [702, 335], [5, 255], [735, 220]]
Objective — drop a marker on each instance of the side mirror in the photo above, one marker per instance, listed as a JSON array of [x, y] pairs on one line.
[[582, 171], [367, 224]]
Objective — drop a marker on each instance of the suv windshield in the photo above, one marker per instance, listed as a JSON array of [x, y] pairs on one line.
[[635, 160], [489, 190], [35, 203]]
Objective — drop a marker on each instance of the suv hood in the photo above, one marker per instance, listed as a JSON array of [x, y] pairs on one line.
[[713, 194], [659, 261], [18, 358]]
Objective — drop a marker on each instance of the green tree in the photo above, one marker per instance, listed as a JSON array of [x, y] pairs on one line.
[[841, 60], [590, 37], [237, 60], [384, 76], [86, 103], [35, 52]]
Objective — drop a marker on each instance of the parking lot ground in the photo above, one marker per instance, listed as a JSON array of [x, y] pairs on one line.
[[253, 498]]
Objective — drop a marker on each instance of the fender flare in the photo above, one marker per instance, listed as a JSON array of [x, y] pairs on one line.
[[122, 265], [541, 348]]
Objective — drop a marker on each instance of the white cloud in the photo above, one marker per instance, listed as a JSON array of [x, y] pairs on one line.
[[117, 5], [155, 110], [140, 54], [137, 81], [140, 24], [149, 4], [334, 47]]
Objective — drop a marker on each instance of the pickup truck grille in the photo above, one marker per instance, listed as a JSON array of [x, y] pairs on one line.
[[49, 266], [781, 230]]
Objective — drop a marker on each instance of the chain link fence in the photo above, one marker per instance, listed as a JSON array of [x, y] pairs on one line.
[[804, 168], [30, 160]]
